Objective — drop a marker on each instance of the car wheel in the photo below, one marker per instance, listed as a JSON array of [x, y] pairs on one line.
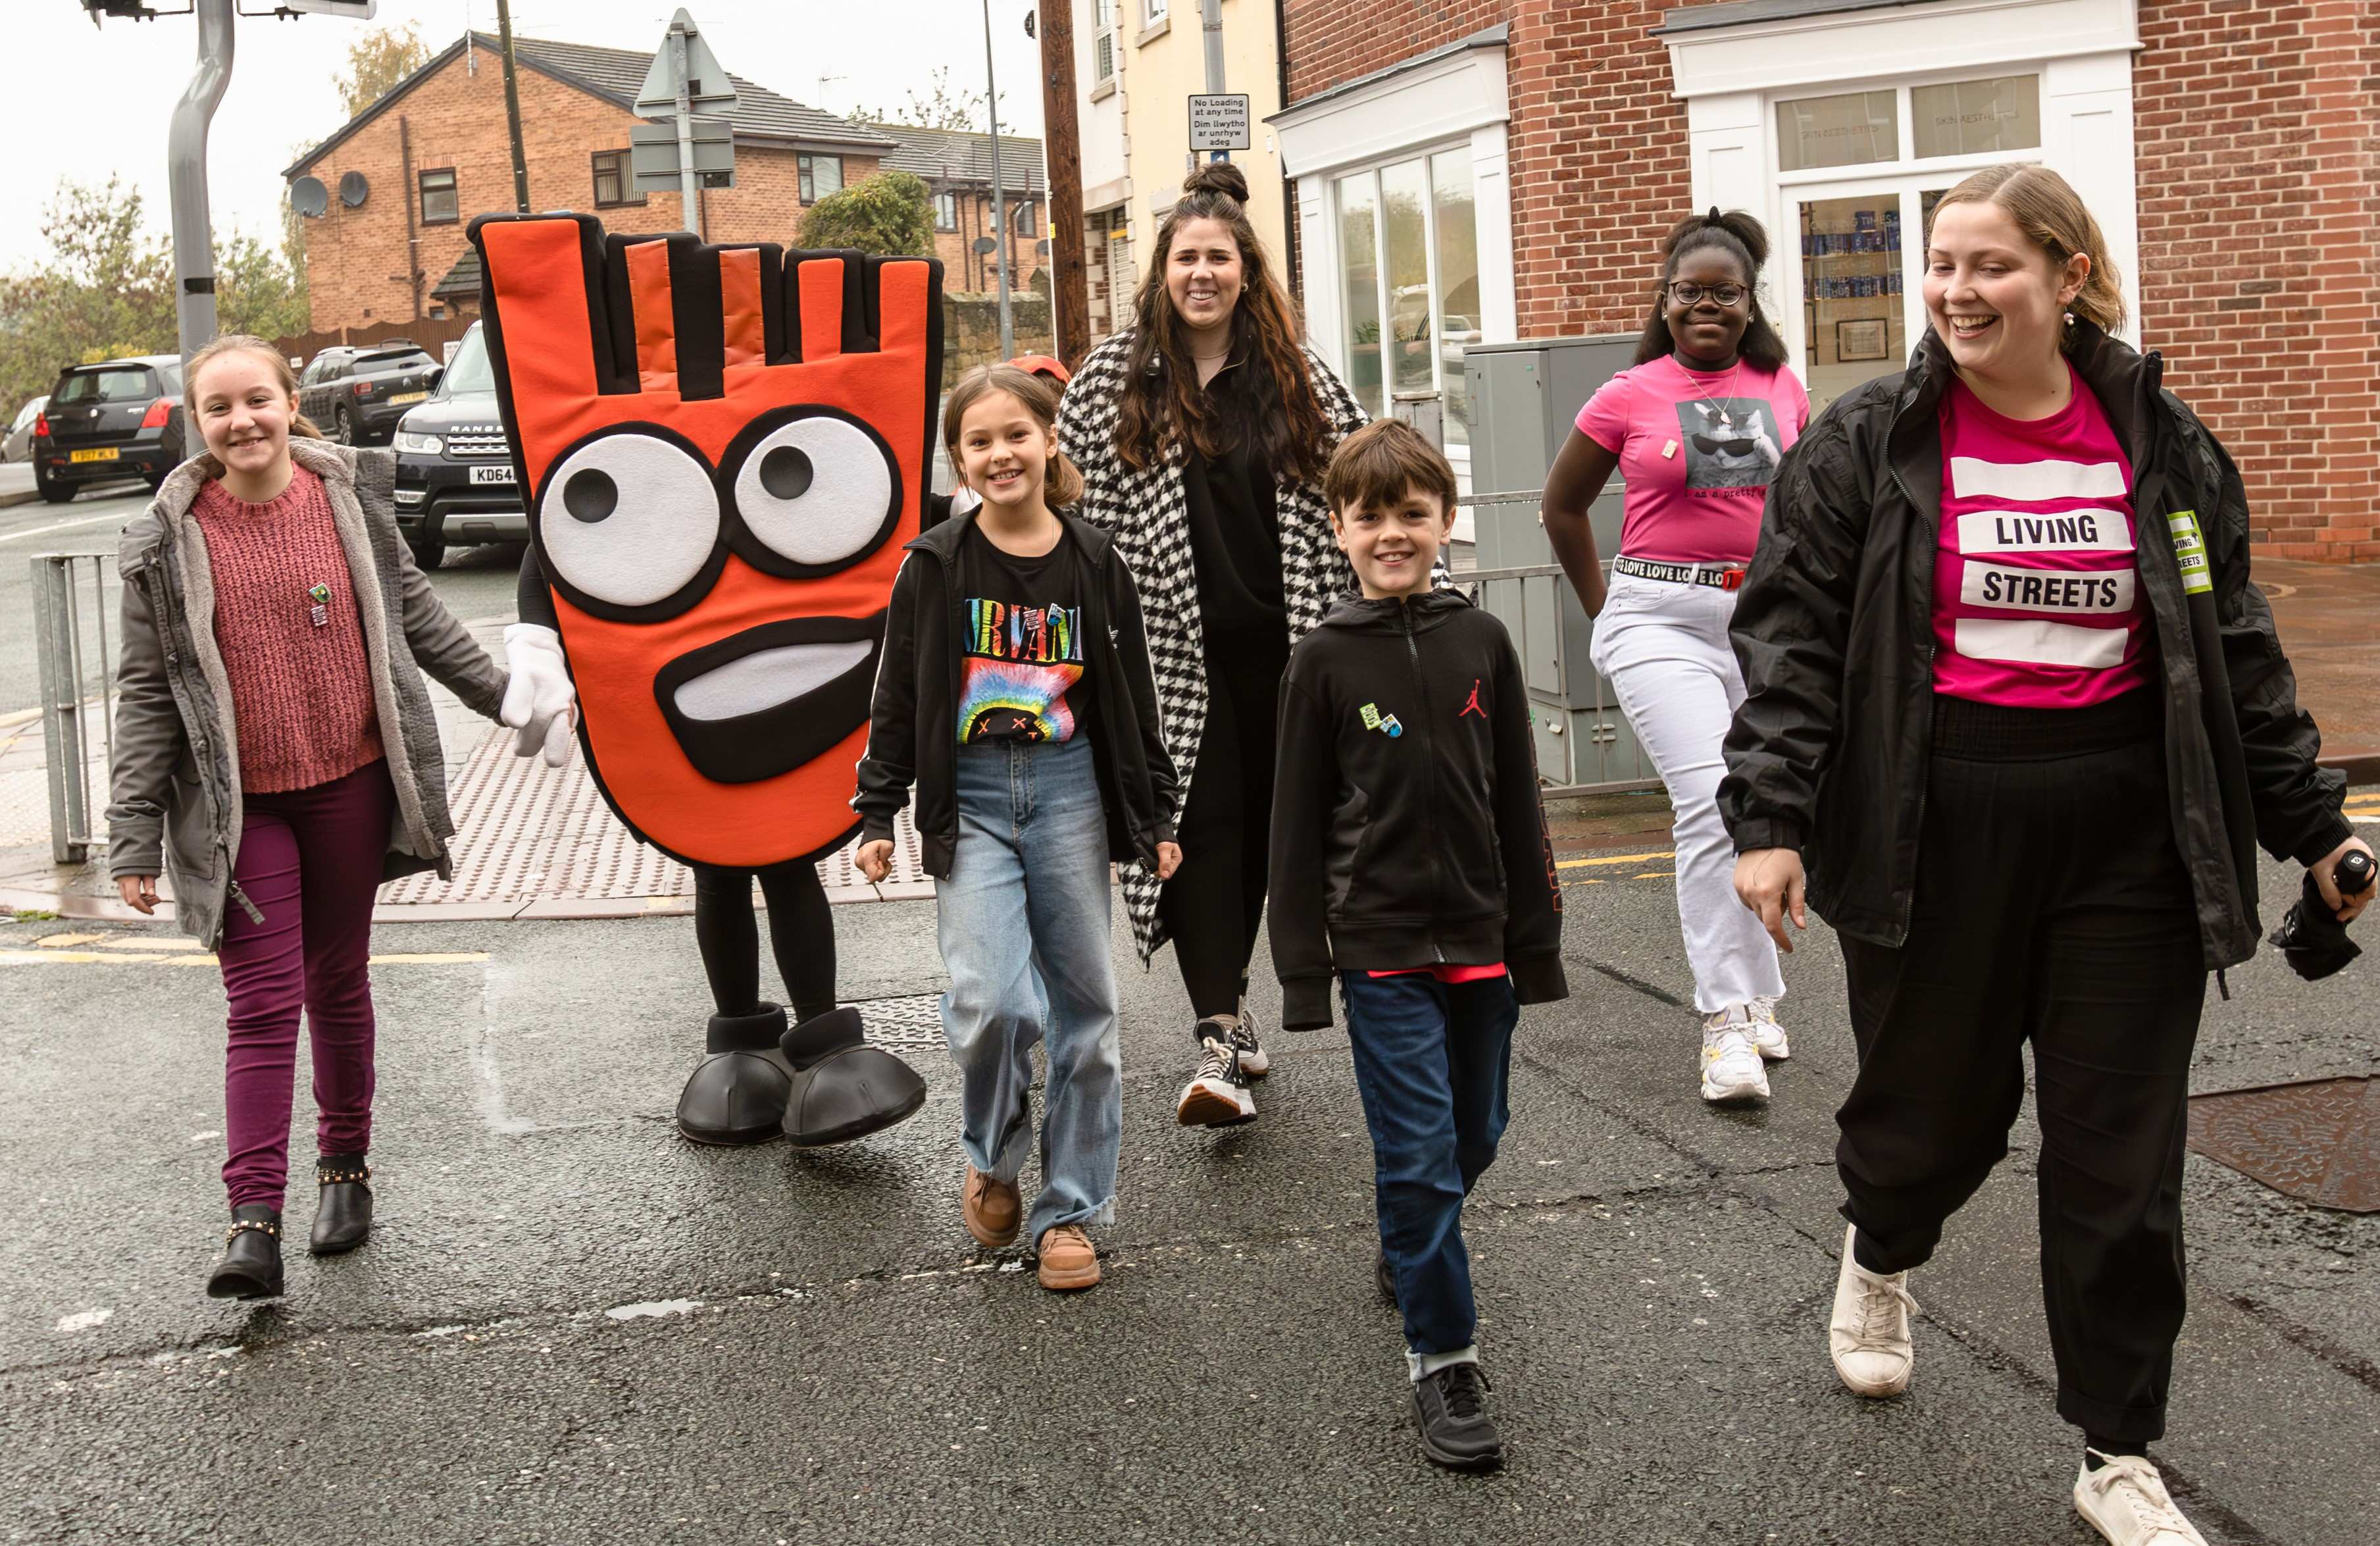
[[52, 493], [428, 553], [343, 427]]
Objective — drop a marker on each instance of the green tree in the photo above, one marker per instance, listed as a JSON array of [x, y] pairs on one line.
[[890, 214], [379, 60], [258, 290]]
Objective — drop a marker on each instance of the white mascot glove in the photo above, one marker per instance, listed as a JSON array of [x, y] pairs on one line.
[[539, 701]]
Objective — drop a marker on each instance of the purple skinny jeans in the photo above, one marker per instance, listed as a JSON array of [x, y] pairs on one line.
[[311, 860]]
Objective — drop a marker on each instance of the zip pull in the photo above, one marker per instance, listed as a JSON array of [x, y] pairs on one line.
[[2222, 985], [244, 905]]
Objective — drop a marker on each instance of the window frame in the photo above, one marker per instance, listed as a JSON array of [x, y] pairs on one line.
[[946, 200], [1153, 12], [454, 190], [1104, 47], [1904, 125], [806, 176], [630, 195], [1427, 154]]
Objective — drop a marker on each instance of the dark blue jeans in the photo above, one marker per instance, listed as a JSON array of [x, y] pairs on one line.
[[1434, 1062]]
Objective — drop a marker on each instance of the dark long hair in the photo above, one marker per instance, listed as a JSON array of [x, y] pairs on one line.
[[1162, 406], [1739, 237]]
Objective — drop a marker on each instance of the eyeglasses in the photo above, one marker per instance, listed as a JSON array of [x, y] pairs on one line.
[[1685, 292]]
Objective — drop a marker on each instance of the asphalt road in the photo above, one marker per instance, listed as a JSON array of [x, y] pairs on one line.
[[574, 1327]]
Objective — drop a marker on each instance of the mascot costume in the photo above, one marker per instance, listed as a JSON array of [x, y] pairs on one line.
[[721, 450]]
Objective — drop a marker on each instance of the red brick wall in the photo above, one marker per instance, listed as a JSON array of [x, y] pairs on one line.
[[2258, 138], [967, 271], [355, 259], [2257, 130]]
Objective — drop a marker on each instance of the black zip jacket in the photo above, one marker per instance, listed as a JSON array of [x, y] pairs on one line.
[[1406, 829], [1834, 629], [912, 736]]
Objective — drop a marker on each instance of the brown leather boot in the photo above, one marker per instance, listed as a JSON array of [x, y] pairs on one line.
[[993, 1208]]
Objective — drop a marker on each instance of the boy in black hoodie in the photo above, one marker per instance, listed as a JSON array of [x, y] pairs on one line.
[[1409, 860]]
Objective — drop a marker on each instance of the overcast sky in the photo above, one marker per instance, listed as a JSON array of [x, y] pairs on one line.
[[85, 101]]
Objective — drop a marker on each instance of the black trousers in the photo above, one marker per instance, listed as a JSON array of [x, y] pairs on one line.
[[801, 933], [2051, 907], [1214, 905]]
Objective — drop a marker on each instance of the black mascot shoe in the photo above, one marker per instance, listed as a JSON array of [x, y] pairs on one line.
[[736, 1095], [343, 1212], [843, 1089], [251, 1268]]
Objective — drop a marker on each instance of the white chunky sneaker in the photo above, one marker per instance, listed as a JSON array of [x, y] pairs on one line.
[[1254, 1064], [1732, 1067], [2125, 1500], [1767, 1034], [1868, 1332], [1217, 1094]]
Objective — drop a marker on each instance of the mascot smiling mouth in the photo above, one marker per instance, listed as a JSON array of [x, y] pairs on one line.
[[762, 703]]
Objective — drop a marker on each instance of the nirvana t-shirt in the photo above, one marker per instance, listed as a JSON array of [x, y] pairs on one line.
[[2036, 599], [1697, 450], [1021, 650]]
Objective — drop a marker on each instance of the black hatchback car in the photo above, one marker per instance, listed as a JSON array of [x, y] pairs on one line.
[[454, 481], [120, 419]]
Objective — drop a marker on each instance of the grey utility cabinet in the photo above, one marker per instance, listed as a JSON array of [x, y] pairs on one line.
[[1525, 397]]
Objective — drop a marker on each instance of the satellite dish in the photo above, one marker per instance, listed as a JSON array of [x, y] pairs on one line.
[[985, 244], [354, 189], [309, 197]]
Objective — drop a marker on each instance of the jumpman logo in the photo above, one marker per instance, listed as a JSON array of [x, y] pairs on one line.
[[1473, 706]]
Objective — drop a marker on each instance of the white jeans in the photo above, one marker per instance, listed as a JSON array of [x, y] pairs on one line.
[[1665, 648]]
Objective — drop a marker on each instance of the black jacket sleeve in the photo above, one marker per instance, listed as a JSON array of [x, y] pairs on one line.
[[531, 598], [889, 766], [1304, 778], [2297, 801], [1533, 924], [1140, 686], [1791, 622]]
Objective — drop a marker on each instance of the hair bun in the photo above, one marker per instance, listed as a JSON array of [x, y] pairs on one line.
[[1217, 176]]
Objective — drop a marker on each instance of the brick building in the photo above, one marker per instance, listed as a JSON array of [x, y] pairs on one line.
[[433, 152], [957, 167], [1473, 170]]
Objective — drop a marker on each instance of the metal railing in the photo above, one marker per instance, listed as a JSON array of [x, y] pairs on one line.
[[71, 645]]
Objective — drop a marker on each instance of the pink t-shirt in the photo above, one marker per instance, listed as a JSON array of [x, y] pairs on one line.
[[1697, 450], [2036, 599]]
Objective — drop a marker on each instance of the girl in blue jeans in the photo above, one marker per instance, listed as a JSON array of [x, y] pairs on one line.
[[1014, 692]]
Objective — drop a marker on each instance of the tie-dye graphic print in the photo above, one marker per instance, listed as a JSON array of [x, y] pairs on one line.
[[1018, 666]]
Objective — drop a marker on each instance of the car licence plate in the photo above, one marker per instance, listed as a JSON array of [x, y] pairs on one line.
[[104, 453], [497, 473], [409, 397]]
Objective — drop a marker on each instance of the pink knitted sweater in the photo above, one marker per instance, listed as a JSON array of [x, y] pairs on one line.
[[301, 692]]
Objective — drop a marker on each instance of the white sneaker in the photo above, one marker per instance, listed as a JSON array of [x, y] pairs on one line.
[[2125, 1500], [1732, 1067], [1868, 1332], [1254, 1064], [1218, 1095], [1767, 1034]]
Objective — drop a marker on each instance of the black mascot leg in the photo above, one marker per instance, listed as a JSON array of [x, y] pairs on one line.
[[736, 1095], [842, 1088]]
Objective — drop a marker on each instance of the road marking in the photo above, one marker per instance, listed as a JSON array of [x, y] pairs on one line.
[[66, 526], [1613, 858]]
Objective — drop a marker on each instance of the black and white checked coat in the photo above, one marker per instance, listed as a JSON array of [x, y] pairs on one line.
[[1148, 515]]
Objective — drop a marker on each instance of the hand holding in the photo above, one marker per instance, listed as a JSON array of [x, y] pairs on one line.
[[875, 859], [1769, 882], [1169, 860], [2326, 879], [540, 702]]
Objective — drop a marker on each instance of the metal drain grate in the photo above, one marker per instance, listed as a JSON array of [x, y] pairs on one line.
[[912, 1021], [2317, 1142]]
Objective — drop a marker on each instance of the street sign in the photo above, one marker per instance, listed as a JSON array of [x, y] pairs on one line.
[[1218, 121], [362, 10], [706, 78], [653, 157]]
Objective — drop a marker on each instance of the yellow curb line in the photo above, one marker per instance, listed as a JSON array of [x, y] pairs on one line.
[[1613, 858]]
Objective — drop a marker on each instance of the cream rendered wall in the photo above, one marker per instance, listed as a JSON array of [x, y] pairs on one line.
[[1167, 65]]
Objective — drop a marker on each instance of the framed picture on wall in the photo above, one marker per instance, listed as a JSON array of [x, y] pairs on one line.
[[1861, 339]]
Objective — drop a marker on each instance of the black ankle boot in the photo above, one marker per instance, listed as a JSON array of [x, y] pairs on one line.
[[343, 1213], [251, 1268]]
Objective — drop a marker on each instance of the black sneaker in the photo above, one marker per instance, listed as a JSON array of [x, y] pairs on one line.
[[1217, 1096], [1254, 1064], [1456, 1431]]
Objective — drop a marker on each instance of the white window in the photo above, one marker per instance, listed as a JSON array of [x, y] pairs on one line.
[[946, 212], [821, 175], [1103, 42], [1152, 12], [1408, 244]]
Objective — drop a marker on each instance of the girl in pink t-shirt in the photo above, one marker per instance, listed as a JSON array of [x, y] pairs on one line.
[[1697, 429]]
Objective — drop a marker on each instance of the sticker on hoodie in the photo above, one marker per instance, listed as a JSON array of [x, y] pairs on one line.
[[1375, 720]]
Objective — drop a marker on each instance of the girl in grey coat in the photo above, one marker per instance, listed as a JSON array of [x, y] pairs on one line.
[[277, 759]]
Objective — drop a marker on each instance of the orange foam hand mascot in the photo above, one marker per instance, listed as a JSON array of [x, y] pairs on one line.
[[723, 450]]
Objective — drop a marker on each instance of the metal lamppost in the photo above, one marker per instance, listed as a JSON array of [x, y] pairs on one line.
[[999, 201]]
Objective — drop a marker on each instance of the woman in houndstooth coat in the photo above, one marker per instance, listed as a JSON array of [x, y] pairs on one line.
[[1202, 434]]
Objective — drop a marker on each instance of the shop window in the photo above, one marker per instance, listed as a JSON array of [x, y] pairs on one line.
[[1976, 117], [614, 182], [1409, 276], [1852, 130], [441, 204], [821, 175]]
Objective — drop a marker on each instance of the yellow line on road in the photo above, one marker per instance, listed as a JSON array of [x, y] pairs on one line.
[[1613, 858]]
